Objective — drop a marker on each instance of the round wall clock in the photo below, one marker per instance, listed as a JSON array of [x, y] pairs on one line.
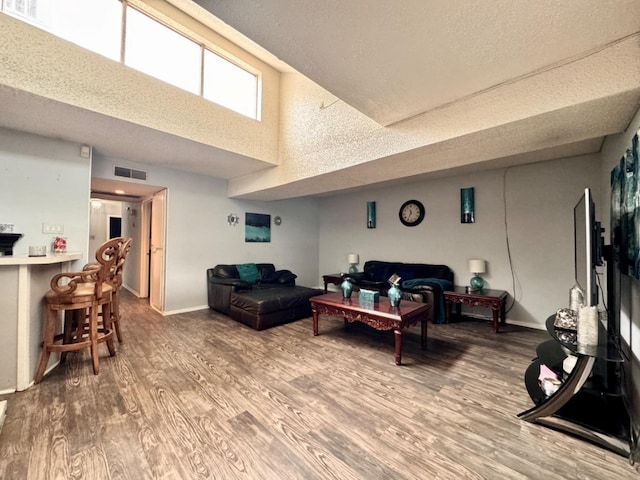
[[411, 213], [277, 220]]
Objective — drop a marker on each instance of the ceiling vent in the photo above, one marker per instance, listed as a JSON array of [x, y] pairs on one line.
[[130, 173]]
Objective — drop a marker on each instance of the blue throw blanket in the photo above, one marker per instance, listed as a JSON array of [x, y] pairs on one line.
[[439, 285]]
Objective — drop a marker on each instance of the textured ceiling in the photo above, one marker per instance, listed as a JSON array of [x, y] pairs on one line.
[[512, 81], [394, 60]]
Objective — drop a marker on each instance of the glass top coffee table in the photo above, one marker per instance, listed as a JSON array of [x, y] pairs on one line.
[[380, 315]]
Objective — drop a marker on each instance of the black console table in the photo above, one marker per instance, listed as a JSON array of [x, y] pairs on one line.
[[590, 402]]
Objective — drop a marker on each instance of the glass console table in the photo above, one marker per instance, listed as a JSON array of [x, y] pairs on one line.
[[590, 402]]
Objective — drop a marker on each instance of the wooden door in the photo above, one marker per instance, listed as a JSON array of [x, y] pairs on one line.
[[157, 249]]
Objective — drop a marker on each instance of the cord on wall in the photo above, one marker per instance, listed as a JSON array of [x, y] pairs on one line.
[[506, 234]]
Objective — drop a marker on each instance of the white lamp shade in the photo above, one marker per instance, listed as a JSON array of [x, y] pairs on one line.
[[477, 265], [353, 258]]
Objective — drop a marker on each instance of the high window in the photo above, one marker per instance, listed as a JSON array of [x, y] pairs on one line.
[[229, 85], [149, 46], [160, 52]]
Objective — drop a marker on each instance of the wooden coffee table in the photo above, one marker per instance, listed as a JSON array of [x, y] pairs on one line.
[[380, 315]]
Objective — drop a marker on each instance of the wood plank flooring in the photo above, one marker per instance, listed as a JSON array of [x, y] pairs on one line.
[[199, 396]]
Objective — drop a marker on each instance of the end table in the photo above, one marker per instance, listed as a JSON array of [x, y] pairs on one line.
[[335, 278], [494, 299]]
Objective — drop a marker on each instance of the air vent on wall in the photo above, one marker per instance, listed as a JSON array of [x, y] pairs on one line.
[[130, 173]]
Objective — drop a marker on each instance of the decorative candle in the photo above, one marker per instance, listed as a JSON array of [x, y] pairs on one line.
[[588, 326]]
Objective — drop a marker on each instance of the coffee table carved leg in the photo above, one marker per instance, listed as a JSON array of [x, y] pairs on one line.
[[423, 325], [496, 312], [398, 352], [315, 322]]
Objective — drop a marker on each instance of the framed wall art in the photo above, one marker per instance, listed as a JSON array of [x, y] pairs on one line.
[[257, 228], [467, 205]]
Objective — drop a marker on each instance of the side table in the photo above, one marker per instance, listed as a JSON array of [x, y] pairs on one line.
[[335, 278], [494, 299]]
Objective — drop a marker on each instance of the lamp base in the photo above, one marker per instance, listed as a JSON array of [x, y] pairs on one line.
[[477, 284], [353, 269]]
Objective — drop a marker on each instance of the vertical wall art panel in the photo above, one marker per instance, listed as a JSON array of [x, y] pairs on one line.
[[625, 211], [467, 205], [257, 227], [371, 214]]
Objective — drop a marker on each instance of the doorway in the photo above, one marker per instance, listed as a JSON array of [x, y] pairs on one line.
[[143, 219], [115, 226]]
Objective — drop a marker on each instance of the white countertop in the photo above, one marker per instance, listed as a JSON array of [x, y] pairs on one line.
[[46, 260]]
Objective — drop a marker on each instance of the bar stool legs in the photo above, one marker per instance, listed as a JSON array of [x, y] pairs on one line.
[[80, 296], [51, 339]]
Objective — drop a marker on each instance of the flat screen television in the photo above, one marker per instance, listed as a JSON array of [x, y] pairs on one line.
[[588, 247]]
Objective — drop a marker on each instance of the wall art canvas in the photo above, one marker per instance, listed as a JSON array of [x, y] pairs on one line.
[[257, 227], [467, 205], [625, 210]]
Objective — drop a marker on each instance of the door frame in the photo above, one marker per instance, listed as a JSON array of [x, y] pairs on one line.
[[145, 246]]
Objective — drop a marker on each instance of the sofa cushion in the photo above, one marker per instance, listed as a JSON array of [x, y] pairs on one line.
[[285, 276], [279, 277], [377, 271], [260, 301], [248, 272]]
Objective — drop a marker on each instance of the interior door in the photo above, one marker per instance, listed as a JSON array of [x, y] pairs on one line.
[[157, 248]]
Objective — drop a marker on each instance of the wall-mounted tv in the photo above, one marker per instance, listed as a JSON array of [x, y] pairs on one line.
[[588, 247]]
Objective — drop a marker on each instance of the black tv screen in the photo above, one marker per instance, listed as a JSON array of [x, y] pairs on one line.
[[587, 236]]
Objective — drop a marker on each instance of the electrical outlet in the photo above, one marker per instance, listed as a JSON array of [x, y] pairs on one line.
[[55, 228]]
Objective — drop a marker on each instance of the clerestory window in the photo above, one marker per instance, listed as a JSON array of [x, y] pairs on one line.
[[149, 46]]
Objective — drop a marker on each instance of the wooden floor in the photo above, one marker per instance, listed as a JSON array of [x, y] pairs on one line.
[[200, 396]]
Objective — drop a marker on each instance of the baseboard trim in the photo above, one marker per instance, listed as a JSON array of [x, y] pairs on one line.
[[183, 310], [129, 289]]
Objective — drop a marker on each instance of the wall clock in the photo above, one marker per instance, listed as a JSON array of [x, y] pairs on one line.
[[411, 213]]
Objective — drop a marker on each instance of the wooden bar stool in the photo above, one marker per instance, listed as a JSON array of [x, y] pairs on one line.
[[116, 283], [112, 255], [83, 294]]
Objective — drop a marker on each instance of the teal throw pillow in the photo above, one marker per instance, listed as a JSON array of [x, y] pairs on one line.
[[248, 272]]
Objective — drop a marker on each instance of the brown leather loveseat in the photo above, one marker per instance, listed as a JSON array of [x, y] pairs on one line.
[[257, 294]]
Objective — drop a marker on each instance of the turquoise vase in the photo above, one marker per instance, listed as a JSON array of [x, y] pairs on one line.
[[477, 284], [394, 294], [346, 288]]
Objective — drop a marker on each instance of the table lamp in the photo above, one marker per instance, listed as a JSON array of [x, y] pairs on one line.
[[477, 266], [353, 259]]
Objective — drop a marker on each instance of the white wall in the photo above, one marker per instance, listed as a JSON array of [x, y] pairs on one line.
[[539, 217], [199, 237], [43, 180]]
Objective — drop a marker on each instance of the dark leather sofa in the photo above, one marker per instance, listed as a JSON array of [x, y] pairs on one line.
[[270, 300], [420, 282]]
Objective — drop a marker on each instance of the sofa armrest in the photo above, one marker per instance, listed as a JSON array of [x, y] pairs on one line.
[[362, 279], [219, 297], [219, 290], [431, 289], [356, 277]]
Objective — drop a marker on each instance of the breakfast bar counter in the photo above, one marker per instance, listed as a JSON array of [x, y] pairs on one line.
[[24, 280]]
